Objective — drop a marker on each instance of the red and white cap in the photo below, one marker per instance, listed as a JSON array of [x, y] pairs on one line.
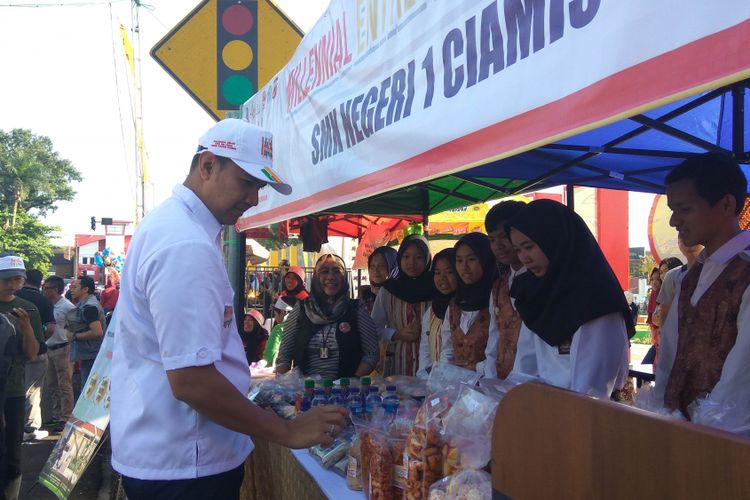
[[247, 145]]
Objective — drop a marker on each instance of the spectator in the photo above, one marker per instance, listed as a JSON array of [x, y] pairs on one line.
[[29, 333], [382, 264], [35, 370], [110, 294], [254, 336], [294, 286], [280, 311], [85, 325], [60, 376]]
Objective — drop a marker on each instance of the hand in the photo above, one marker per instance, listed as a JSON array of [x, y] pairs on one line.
[[319, 425], [22, 318], [408, 333]]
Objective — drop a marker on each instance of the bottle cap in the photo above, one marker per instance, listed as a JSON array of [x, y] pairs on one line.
[[309, 384], [327, 382], [344, 381], [365, 381]]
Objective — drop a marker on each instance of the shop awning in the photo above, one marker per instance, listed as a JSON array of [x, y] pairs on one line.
[[445, 104]]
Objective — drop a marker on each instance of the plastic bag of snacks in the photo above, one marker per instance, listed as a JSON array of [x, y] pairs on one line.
[[464, 485], [377, 464], [466, 428], [444, 375], [424, 444]]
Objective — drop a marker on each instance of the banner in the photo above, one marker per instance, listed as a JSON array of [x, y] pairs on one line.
[[381, 94], [84, 430]]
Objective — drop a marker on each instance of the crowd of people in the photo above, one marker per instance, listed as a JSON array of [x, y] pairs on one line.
[[45, 335], [536, 296]]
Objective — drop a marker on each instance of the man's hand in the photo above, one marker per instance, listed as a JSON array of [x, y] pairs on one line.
[[320, 425], [23, 324]]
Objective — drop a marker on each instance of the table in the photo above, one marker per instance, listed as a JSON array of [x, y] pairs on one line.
[[274, 471], [642, 373]]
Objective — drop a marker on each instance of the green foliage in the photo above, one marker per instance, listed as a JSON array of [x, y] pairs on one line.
[[647, 265], [34, 179], [30, 239], [34, 176]]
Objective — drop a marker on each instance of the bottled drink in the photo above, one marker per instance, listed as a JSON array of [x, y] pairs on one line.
[[364, 389], [327, 386], [320, 398], [355, 402], [373, 401], [336, 398], [345, 388], [307, 395], [390, 400]]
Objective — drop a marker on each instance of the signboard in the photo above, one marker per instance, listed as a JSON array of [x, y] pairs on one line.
[[84, 430], [381, 95], [224, 50]]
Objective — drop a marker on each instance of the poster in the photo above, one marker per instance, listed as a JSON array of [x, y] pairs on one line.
[[84, 430]]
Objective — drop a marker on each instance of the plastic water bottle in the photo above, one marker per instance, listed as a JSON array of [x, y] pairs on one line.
[[344, 388], [320, 398], [336, 398], [355, 402], [390, 400], [307, 396], [373, 401]]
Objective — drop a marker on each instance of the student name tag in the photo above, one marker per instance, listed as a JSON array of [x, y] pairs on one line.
[[323, 353]]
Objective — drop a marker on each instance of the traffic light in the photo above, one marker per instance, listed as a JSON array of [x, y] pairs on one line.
[[93, 223], [237, 47]]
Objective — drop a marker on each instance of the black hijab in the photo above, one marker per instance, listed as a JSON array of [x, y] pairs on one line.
[[477, 296], [440, 301], [412, 290], [579, 285]]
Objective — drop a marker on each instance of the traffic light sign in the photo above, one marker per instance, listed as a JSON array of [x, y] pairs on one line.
[[237, 44], [225, 50], [93, 223]]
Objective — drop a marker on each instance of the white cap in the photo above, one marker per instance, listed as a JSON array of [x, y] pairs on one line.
[[249, 146], [281, 305], [11, 266]]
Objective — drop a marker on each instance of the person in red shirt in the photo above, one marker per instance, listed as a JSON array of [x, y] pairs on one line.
[[110, 294]]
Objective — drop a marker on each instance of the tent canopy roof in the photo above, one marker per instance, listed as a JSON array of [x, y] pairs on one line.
[[633, 154]]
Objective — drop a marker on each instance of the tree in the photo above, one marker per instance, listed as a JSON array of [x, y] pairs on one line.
[[29, 238], [34, 179], [34, 176]]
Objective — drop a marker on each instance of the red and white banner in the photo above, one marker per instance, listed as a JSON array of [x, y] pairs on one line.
[[384, 93]]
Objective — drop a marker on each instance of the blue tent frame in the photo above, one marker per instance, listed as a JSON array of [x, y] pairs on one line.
[[633, 154]]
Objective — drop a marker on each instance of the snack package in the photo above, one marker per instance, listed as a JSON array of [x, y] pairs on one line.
[[330, 455], [466, 427], [725, 416], [354, 466], [445, 375], [377, 465], [464, 485], [424, 445]]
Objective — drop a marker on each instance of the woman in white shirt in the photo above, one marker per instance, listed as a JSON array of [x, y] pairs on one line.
[[446, 281], [576, 322], [467, 324]]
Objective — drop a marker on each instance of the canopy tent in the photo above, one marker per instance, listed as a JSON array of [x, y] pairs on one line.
[[438, 105]]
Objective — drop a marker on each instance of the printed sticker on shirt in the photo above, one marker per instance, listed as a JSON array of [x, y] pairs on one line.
[[228, 315], [345, 327]]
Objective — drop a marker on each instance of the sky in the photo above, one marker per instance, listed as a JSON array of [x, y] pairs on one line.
[[65, 78]]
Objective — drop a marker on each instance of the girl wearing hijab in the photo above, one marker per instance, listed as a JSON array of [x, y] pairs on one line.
[[254, 336], [401, 304], [576, 322], [328, 334], [382, 264], [467, 324], [293, 286], [446, 281]]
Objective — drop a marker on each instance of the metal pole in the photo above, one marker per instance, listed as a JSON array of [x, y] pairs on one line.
[[235, 253], [570, 197], [738, 123]]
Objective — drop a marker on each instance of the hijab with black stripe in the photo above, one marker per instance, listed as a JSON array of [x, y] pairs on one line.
[[579, 285], [420, 288], [390, 256], [477, 295], [440, 301]]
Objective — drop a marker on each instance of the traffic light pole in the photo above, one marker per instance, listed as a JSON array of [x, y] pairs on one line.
[[235, 255]]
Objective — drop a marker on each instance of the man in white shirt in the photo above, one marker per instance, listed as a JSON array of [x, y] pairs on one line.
[[60, 380], [180, 417], [705, 339]]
